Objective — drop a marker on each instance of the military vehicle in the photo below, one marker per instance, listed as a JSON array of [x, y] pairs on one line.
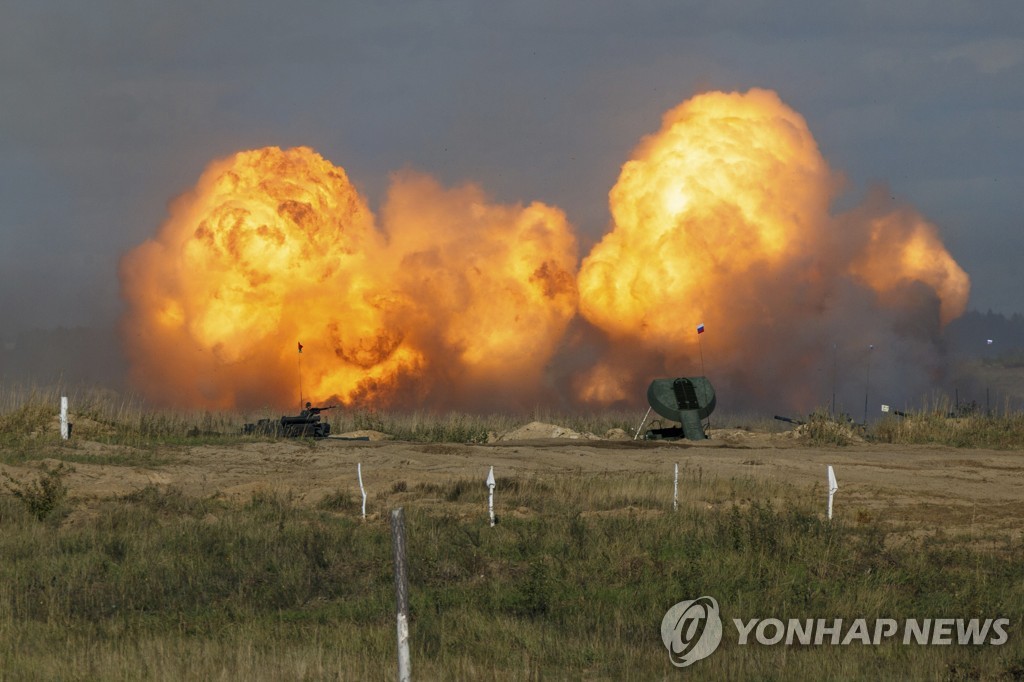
[[306, 425], [687, 400]]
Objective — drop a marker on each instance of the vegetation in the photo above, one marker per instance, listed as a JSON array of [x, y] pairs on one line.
[[28, 422], [965, 429], [573, 582], [43, 496], [823, 429]]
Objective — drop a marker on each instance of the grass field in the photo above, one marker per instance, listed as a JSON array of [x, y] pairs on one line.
[[174, 580]]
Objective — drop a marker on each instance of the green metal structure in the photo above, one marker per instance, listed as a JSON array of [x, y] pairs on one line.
[[687, 400]]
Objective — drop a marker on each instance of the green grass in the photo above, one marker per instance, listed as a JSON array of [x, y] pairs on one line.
[[572, 582], [998, 432], [29, 425], [29, 421], [147, 437]]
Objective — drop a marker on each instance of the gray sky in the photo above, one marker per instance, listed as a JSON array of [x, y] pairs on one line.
[[110, 108]]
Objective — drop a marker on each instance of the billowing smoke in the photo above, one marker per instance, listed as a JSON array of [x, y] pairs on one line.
[[721, 217]]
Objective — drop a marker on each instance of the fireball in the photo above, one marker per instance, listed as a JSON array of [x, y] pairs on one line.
[[722, 217], [451, 300], [274, 248]]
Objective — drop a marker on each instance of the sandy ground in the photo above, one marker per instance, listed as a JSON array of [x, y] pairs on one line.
[[932, 489]]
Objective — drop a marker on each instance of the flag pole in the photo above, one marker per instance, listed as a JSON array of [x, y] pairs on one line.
[[700, 347], [301, 404]]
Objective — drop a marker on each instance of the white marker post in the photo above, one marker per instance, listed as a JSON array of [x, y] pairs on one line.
[[490, 495], [64, 418], [361, 488], [675, 490], [833, 486]]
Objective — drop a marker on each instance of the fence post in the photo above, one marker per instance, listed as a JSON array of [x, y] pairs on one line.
[[490, 495], [401, 593], [361, 488], [64, 418], [675, 490], [832, 488]]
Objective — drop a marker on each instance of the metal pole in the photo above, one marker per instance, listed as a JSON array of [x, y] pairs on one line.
[[642, 423], [401, 593], [700, 345], [867, 384], [302, 405]]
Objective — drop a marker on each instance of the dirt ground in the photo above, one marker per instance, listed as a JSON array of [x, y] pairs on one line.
[[932, 489]]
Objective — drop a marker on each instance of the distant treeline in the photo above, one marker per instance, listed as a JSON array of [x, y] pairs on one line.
[[969, 335]]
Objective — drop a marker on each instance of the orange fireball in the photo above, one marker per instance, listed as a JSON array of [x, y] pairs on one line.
[[453, 301], [275, 247], [722, 217]]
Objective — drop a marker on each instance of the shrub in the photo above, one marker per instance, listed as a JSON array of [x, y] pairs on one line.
[[43, 496]]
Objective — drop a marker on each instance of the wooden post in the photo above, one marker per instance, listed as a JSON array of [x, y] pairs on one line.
[[401, 593], [64, 418], [675, 490]]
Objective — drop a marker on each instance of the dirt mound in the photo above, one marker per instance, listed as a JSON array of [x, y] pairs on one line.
[[365, 433], [81, 426], [537, 430], [741, 437]]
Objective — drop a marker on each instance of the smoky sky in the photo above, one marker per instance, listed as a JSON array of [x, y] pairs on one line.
[[111, 108]]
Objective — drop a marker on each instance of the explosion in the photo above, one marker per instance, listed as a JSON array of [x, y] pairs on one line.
[[275, 248], [721, 217]]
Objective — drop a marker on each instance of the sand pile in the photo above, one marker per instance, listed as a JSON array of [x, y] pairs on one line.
[[538, 430]]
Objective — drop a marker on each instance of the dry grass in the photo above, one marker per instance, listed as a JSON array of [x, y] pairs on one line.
[[572, 583]]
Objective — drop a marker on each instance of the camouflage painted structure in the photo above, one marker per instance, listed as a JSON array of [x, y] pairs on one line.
[[687, 400]]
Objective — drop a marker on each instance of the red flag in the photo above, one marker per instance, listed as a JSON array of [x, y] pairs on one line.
[[300, 346]]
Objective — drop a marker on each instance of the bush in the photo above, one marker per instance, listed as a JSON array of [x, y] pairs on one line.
[[45, 495]]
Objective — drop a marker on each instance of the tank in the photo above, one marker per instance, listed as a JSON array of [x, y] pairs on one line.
[[306, 424]]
